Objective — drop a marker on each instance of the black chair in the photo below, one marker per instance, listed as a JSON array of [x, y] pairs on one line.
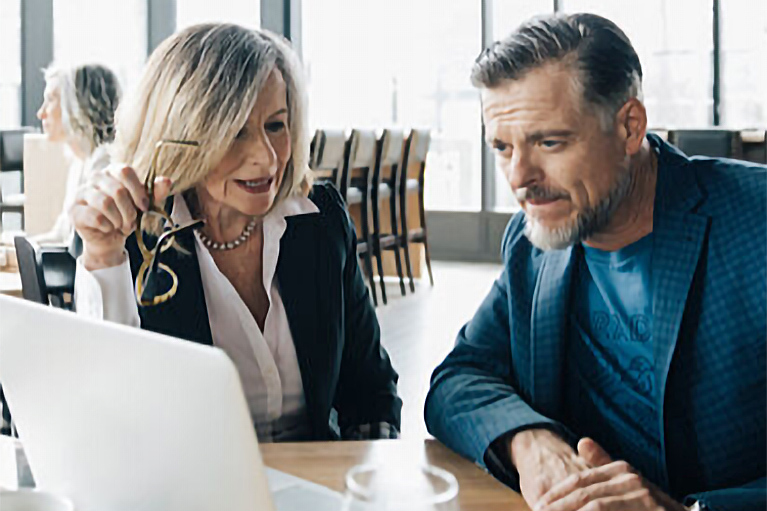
[[412, 181], [47, 273], [12, 160], [713, 143], [755, 147], [356, 177], [327, 156], [386, 178]]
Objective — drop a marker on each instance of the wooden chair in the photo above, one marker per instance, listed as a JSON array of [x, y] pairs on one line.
[[713, 143], [327, 155], [356, 178], [386, 178], [412, 181]]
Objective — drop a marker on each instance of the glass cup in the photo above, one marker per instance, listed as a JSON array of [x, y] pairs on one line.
[[14, 468], [401, 488], [32, 500]]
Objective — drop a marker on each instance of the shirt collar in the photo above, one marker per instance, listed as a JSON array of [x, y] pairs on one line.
[[274, 227]]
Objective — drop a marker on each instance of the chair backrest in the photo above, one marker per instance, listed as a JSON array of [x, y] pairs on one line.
[[389, 157], [328, 155], [12, 148], [360, 158], [414, 157], [755, 147], [32, 280], [713, 143], [47, 273]]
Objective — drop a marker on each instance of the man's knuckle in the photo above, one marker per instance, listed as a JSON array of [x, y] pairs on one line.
[[594, 505], [581, 498], [622, 467], [646, 498]]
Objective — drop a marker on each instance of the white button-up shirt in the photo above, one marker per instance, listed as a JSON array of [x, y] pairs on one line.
[[266, 361]]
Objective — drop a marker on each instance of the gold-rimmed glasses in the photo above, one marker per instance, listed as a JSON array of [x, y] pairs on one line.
[[148, 291]]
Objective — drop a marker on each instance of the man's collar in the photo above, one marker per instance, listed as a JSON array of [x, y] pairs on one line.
[[677, 187]]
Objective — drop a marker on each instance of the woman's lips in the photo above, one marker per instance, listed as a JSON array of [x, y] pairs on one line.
[[255, 186]]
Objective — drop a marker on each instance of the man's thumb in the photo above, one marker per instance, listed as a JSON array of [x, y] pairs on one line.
[[593, 453]]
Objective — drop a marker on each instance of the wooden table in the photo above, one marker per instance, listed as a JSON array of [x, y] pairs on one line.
[[326, 463]]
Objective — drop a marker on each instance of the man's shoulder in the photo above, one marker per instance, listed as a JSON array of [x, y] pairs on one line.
[[731, 186]]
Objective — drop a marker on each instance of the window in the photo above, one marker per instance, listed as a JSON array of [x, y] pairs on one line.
[[109, 33], [673, 39], [507, 16], [743, 69], [242, 12], [402, 63], [10, 63]]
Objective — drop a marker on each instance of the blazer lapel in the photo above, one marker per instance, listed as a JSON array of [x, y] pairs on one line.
[[679, 233], [547, 329], [302, 277]]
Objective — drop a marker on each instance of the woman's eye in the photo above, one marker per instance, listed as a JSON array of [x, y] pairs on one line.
[[241, 134], [275, 126]]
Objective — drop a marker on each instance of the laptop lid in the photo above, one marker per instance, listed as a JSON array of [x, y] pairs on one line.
[[118, 418]]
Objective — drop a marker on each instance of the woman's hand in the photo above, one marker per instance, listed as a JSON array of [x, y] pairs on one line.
[[105, 210]]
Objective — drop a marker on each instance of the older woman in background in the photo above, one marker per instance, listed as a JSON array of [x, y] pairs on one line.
[[78, 110], [271, 277]]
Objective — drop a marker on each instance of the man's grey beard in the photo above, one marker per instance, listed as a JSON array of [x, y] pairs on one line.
[[585, 225]]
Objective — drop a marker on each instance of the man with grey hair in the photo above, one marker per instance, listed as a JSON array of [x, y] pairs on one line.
[[619, 360]]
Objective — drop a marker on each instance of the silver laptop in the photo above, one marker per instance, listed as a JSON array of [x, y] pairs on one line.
[[118, 418]]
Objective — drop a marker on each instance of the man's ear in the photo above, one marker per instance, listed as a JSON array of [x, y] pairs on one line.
[[631, 121]]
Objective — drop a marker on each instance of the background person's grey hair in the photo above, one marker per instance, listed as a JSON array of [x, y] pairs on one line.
[[608, 68], [89, 98]]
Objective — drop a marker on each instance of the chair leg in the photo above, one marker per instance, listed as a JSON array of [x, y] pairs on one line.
[[376, 238], [422, 211], [393, 211], [369, 247], [428, 258], [367, 269], [404, 238]]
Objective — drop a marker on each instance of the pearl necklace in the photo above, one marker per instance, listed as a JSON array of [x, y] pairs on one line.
[[246, 232]]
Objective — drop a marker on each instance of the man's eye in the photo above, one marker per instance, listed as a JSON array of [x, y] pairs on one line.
[[551, 143]]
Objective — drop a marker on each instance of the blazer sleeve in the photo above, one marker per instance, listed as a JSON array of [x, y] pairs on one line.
[[366, 397], [473, 405], [749, 497]]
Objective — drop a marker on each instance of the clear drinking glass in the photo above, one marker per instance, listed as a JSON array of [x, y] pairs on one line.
[[401, 488], [14, 468]]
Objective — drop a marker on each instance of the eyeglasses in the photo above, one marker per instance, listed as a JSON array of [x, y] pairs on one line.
[[149, 286]]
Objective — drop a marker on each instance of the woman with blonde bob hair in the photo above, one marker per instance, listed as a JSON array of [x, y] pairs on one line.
[[251, 257]]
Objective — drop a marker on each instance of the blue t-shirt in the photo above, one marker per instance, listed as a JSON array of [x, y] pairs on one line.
[[610, 380]]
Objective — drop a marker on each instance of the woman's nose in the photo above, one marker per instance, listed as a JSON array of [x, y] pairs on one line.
[[262, 152]]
